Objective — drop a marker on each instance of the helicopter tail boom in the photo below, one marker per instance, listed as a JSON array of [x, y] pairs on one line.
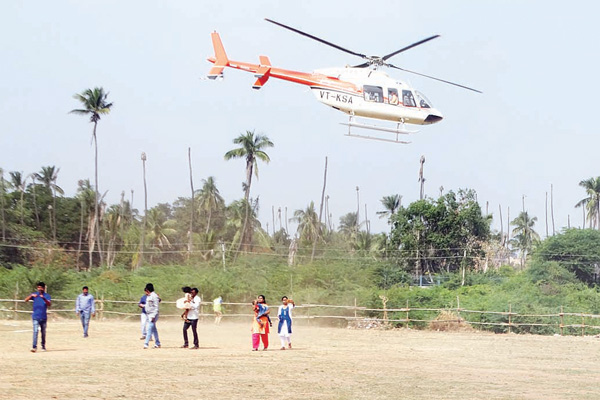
[[221, 60]]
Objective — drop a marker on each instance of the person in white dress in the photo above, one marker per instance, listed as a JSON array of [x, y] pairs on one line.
[[284, 329]]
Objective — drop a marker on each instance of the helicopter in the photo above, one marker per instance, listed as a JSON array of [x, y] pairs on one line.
[[360, 91]]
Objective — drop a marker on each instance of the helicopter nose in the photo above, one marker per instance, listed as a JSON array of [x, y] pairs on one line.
[[433, 118]]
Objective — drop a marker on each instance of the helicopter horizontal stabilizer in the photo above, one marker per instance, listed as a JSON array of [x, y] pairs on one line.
[[263, 72], [221, 60]]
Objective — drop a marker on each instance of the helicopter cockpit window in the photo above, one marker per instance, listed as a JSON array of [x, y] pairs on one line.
[[408, 99], [423, 101], [373, 93], [393, 96]]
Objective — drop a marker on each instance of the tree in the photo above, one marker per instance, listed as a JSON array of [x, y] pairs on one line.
[[575, 250], [210, 199], [309, 227], [48, 177], [390, 206], [592, 202], [440, 235], [251, 148], [87, 198], [524, 236], [94, 102], [160, 229]]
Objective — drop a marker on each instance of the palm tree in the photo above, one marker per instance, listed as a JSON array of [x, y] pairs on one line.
[[592, 202], [349, 224], [524, 236], [87, 199], [309, 227], [391, 204], [159, 230], [251, 148], [17, 181], [48, 177], [210, 198], [2, 201], [94, 105]]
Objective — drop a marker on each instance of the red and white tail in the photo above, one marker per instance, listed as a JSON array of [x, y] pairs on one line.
[[221, 61]]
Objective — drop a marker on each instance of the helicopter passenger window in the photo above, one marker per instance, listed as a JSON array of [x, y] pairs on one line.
[[373, 93], [423, 101], [393, 96], [408, 99]]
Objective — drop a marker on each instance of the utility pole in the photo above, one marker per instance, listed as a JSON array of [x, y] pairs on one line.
[[421, 178], [142, 239]]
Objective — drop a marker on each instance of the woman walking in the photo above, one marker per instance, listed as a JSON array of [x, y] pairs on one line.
[[260, 323], [284, 329]]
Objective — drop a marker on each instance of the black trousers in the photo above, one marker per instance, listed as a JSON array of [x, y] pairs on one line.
[[194, 324]]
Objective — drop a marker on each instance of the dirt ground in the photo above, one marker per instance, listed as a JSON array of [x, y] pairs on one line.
[[325, 363]]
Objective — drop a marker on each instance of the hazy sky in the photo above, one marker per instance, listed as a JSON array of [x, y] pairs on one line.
[[534, 125]]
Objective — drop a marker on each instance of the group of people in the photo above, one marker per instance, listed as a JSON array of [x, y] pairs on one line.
[[85, 308], [261, 323]]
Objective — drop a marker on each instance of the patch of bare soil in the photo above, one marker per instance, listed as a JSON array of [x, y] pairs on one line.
[[325, 363]]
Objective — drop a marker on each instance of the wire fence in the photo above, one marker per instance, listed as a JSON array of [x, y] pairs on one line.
[[510, 321]]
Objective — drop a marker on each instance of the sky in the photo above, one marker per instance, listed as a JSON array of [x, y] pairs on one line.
[[533, 127]]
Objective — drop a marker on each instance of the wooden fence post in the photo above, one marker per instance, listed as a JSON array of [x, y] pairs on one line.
[[582, 324], [16, 302], [509, 317], [101, 313], [458, 308], [562, 321], [407, 317]]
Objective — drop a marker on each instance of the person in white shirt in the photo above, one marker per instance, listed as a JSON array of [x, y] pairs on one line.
[[152, 304], [192, 320], [284, 329]]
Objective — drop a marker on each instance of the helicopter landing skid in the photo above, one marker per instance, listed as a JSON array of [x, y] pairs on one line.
[[398, 131]]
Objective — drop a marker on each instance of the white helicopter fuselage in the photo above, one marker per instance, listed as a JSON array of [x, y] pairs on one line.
[[370, 93]]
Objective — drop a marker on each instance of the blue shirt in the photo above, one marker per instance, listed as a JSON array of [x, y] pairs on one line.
[[143, 301], [40, 307], [85, 304]]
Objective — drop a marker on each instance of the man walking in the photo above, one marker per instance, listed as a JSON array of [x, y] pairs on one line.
[[192, 320], [41, 302], [84, 307], [152, 303]]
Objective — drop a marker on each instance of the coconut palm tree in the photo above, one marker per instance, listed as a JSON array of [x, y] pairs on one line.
[[3, 185], [210, 199], [592, 202], [95, 104], [524, 236], [391, 204], [160, 229], [87, 199], [17, 182], [251, 148], [309, 227], [48, 177]]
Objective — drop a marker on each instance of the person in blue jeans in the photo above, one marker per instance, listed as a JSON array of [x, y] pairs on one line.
[[41, 302], [84, 307], [152, 303]]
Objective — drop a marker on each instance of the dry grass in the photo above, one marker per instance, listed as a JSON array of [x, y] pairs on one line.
[[450, 321], [326, 363]]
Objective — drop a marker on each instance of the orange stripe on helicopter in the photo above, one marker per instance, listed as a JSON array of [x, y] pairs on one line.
[[264, 71]]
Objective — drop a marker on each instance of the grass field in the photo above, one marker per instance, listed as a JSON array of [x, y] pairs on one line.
[[326, 363]]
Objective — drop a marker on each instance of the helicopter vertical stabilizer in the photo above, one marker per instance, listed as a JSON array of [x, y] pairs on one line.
[[221, 57]]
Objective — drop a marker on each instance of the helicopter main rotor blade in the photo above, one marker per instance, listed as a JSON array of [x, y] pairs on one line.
[[316, 38], [409, 47], [434, 78]]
